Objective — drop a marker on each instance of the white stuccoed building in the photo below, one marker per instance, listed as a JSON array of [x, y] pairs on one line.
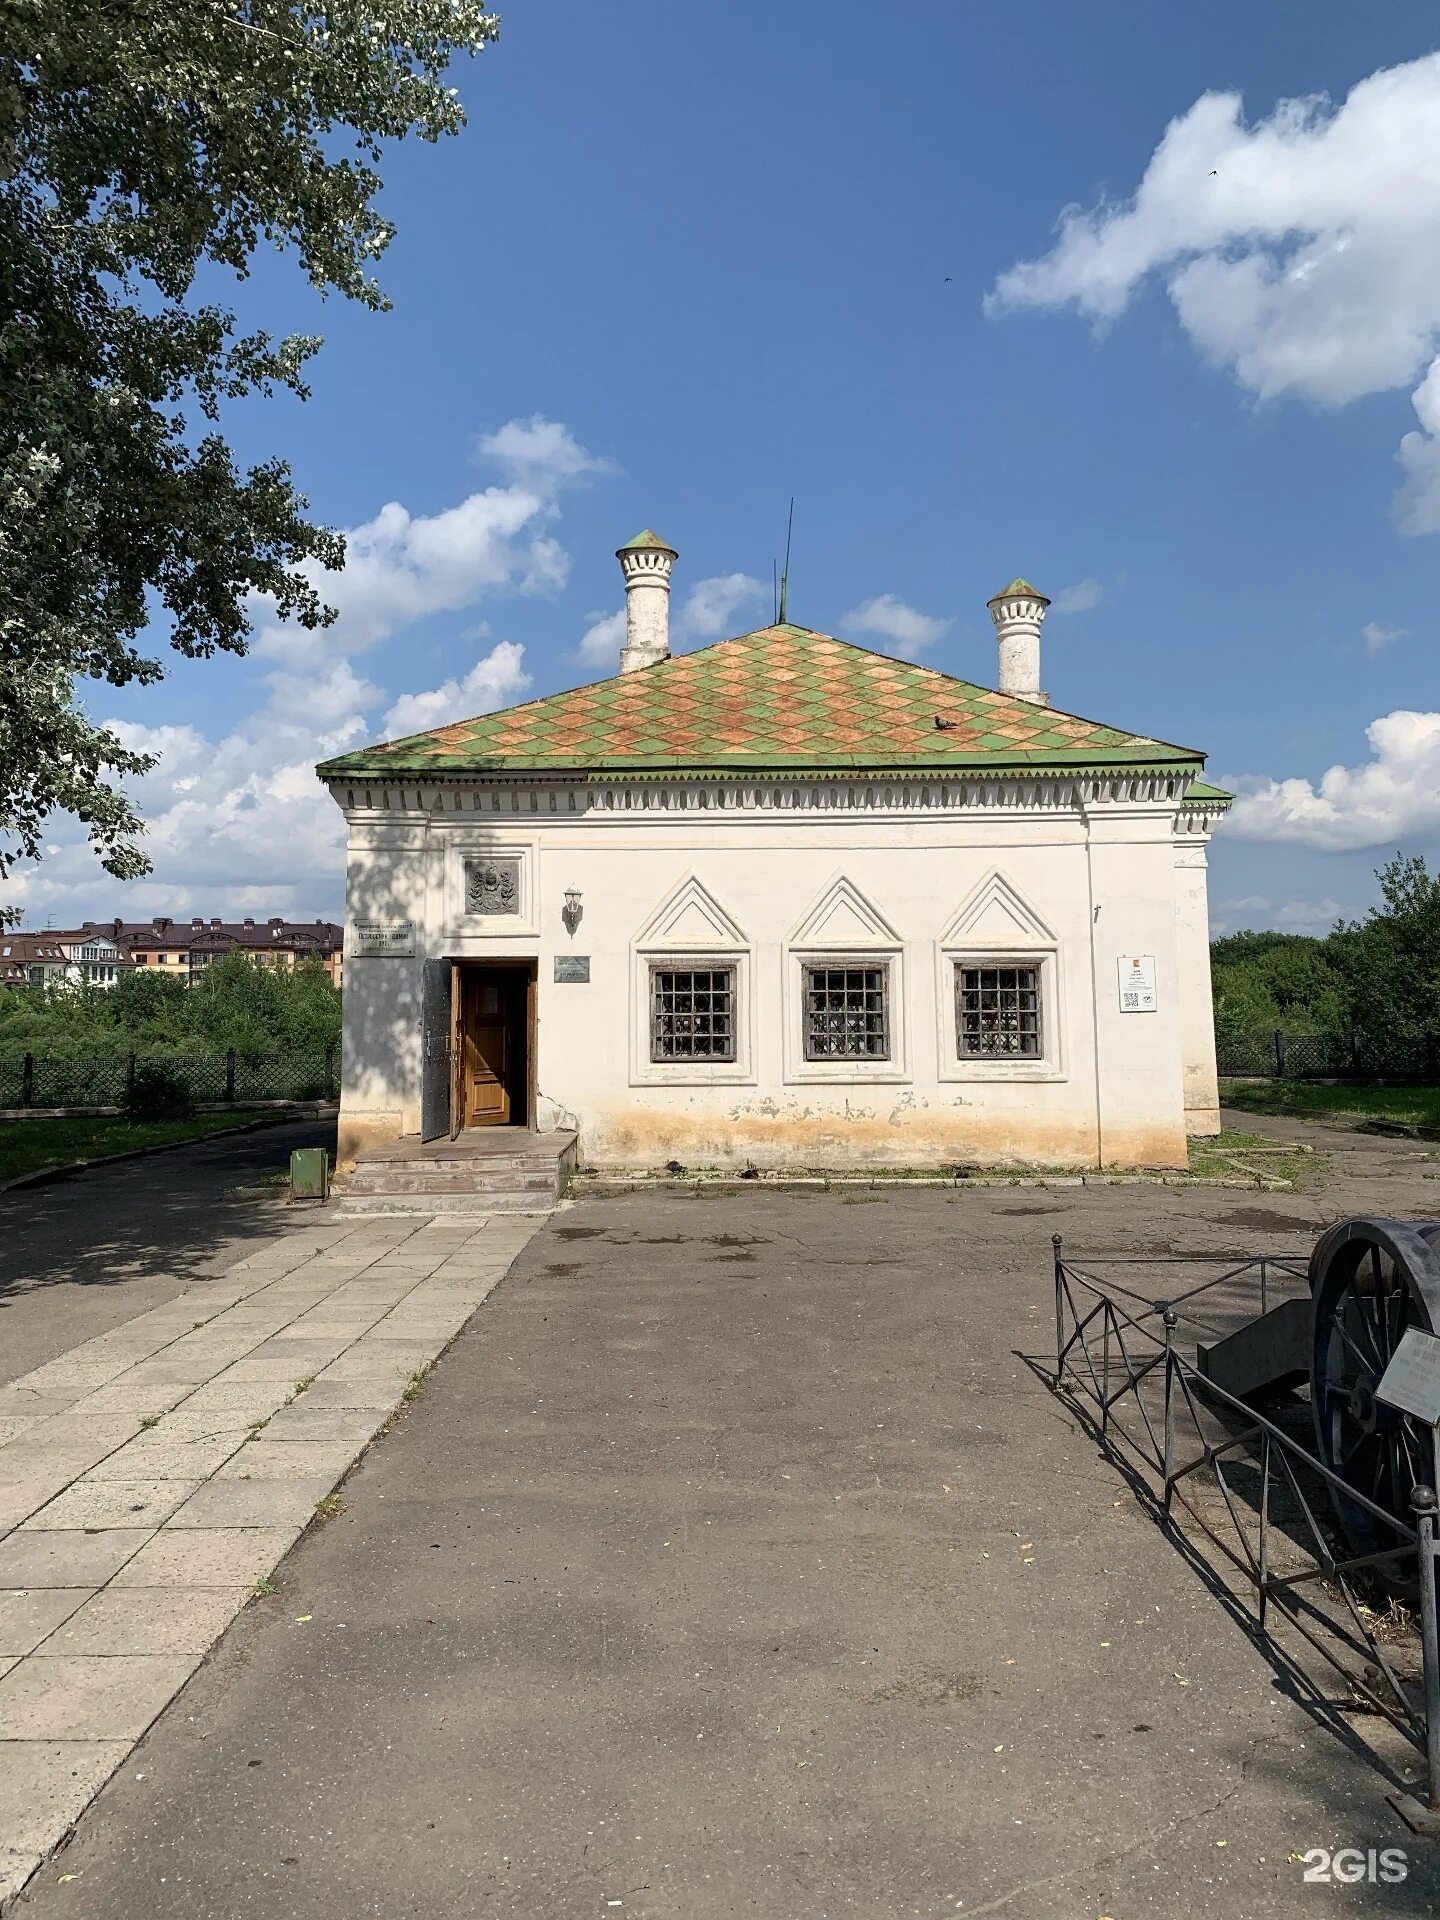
[[781, 902]]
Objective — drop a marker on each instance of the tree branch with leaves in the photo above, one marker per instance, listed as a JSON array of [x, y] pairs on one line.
[[142, 141]]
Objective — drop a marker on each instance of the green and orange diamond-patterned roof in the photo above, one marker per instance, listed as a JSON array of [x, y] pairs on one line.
[[783, 700]]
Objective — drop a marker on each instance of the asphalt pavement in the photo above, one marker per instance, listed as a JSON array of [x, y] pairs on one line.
[[734, 1562], [83, 1254]]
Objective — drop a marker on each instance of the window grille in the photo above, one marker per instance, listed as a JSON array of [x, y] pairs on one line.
[[847, 1013], [692, 1013], [997, 1012]]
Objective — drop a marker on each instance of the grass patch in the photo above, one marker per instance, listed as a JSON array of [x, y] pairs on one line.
[[148, 1420], [27, 1145], [330, 1506], [264, 1587], [1402, 1106], [1231, 1156]]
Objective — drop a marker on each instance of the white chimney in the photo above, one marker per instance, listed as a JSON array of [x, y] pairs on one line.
[[645, 562], [1018, 612]]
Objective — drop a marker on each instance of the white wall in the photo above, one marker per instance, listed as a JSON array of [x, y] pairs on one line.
[[1072, 888], [1197, 1004]]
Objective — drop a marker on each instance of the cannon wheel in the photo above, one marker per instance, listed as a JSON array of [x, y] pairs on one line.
[[1370, 1281]]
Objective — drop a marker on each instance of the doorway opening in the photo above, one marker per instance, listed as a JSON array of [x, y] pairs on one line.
[[492, 1043]]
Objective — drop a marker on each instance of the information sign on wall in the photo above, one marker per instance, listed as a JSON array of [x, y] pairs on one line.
[[574, 967], [1137, 983], [383, 939]]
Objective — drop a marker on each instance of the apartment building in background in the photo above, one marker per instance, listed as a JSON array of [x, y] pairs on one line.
[[89, 959], [99, 951]]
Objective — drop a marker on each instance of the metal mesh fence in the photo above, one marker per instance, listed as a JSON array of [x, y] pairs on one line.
[[1276, 1054], [211, 1079]]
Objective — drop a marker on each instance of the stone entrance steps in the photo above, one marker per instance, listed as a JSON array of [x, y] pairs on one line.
[[486, 1170]]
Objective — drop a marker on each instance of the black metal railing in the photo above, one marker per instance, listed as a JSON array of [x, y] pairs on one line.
[[233, 1078], [1275, 1053], [1244, 1493]]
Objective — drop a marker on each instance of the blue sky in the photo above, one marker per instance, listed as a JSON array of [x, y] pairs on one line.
[[727, 255]]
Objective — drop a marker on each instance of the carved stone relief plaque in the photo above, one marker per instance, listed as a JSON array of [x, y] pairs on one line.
[[492, 886]]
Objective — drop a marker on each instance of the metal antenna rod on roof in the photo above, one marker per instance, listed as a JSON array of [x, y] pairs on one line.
[[785, 576], [775, 590]]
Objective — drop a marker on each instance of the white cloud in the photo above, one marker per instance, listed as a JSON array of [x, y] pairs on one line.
[[1417, 505], [1080, 598], [1392, 796], [602, 640], [238, 820], [1375, 636], [710, 606], [538, 453], [1255, 913], [401, 567], [908, 630], [1301, 253], [706, 613], [494, 681], [1308, 916]]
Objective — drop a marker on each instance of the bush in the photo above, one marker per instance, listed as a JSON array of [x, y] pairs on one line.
[[258, 1011], [159, 1091]]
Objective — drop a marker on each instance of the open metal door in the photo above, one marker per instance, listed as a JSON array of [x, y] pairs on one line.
[[457, 1055], [436, 1017]]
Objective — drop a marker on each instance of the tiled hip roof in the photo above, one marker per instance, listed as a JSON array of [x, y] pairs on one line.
[[783, 699]]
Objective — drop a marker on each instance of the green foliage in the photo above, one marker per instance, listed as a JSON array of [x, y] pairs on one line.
[[235, 1003], [142, 147], [1399, 1106], [1275, 980], [1390, 962], [159, 1092], [26, 1145], [1377, 978]]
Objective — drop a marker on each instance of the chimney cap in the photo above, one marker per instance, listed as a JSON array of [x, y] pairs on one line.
[[647, 540], [1018, 589]]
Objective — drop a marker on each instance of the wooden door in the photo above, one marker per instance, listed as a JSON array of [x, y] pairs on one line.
[[487, 1052]]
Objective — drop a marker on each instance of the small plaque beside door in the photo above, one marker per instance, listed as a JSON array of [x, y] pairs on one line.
[[573, 967], [382, 939]]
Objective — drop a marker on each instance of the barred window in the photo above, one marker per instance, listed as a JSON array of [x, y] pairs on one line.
[[997, 1012], [692, 1013], [847, 1013]]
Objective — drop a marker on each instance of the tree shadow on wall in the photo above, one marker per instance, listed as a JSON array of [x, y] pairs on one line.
[[397, 1007]]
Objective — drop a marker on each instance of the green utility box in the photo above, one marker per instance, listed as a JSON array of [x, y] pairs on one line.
[[309, 1174]]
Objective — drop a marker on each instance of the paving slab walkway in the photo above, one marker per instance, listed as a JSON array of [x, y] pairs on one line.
[[150, 1477], [93, 1250], [733, 1563]]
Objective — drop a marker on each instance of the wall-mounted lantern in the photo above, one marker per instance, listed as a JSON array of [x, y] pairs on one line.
[[571, 912]]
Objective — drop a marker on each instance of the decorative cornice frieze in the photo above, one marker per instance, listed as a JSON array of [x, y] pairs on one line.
[[500, 798]]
